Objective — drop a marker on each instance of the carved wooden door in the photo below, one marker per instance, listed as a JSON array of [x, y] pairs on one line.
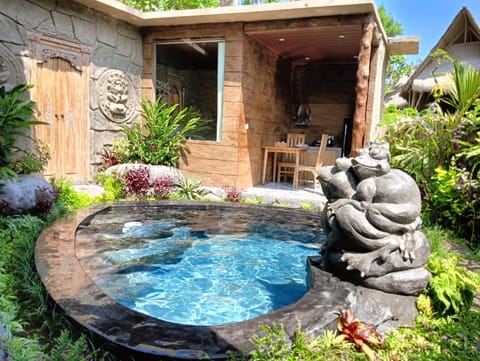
[[61, 93]]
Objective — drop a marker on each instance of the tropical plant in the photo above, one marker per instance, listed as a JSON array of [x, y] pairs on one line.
[[163, 134], [188, 188], [466, 85], [439, 149], [454, 200], [421, 143], [109, 158], [29, 325], [16, 118], [362, 334]]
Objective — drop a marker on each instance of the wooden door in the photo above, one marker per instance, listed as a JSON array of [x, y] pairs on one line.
[[61, 93]]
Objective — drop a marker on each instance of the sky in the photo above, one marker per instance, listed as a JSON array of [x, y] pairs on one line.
[[429, 19]]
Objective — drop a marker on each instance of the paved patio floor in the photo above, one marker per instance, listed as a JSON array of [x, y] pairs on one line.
[[285, 194]]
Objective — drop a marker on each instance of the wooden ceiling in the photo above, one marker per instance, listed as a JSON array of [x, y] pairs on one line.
[[313, 44]]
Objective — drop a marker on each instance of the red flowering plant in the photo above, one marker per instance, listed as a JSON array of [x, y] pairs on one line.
[[163, 187], [137, 181], [232, 193], [362, 334]]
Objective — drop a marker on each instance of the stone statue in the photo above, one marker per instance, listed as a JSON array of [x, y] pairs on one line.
[[372, 221]]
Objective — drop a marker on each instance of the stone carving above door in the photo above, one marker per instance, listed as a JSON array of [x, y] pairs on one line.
[[44, 47], [11, 69], [116, 95]]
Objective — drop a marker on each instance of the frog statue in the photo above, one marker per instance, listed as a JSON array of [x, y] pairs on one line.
[[372, 220]]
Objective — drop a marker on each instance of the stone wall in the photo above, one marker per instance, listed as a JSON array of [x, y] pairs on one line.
[[114, 51]]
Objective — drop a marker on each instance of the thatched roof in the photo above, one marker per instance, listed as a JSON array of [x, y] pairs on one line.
[[427, 85], [463, 29]]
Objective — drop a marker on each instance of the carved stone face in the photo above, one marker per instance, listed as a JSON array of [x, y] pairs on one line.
[[372, 161]]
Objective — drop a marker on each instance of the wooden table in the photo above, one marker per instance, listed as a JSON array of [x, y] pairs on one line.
[[284, 150]]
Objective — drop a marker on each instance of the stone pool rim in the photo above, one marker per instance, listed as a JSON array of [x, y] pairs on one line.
[[135, 334]]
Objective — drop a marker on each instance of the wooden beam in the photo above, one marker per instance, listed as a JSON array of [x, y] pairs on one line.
[[363, 75], [293, 25]]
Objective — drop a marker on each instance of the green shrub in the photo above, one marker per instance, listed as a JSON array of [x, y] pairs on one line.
[[162, 135], [422, 143], [439, 149], [113, 186], [16, 116], [69, 198], [454, 201], [29, 322], [274, 345], [451, 287], [120, 147]]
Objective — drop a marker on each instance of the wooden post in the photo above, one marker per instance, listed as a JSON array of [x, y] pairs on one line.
[[363, 74]]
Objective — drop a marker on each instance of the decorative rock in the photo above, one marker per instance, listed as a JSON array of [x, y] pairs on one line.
[[23, 195], [373, 221], [156, 171], [409, 282], [93, 190]]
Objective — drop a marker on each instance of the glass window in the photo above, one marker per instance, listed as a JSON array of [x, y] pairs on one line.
[[190, 73]]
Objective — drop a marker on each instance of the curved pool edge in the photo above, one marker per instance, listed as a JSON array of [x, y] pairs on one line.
[[152, 339]]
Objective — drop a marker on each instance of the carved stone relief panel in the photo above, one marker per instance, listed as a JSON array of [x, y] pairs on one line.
[[116, 95], [11, 68], [44, 47]]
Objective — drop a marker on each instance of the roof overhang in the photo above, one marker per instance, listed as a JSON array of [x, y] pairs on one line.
[[245, 13], [340, 36], [403, 45]]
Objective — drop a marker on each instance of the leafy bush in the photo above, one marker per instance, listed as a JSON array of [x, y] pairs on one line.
[[120, 149], [163, 134], [454, 200], [30, 326], [69, 198], [451, 287], [137, 181], [421, 143], [113, 186], [440, 150], [16, 116], [163, 187]]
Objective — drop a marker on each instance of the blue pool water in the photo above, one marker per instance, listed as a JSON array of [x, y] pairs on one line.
[[208, 266]]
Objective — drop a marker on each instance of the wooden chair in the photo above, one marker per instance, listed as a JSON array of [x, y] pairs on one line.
[[286, 166], [321, 158]]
